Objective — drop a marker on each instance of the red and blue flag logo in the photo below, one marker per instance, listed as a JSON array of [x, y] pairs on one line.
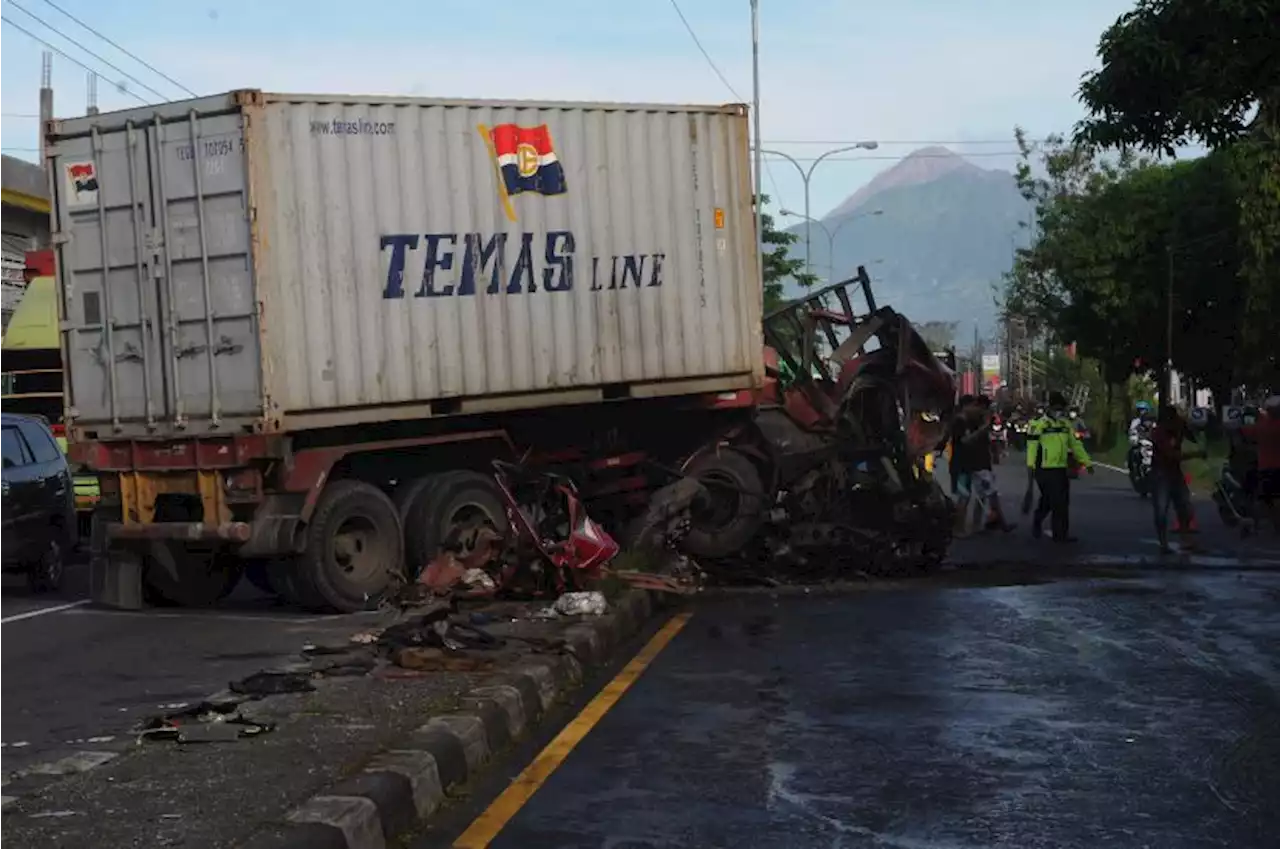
[[525, 160]]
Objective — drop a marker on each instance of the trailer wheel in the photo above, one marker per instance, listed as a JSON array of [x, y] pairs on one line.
[[353, 548], [175, 574], [736, 505], [263, 575], [433, 507]]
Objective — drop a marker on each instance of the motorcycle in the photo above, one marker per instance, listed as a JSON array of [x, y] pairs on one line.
[[1234, 500], [999, 441], [1140, 457]]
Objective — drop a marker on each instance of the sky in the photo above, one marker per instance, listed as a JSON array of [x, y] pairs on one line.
[[833, 73]]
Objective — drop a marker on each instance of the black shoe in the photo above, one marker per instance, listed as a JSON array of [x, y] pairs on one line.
[[1036, 532], [1066, 539]]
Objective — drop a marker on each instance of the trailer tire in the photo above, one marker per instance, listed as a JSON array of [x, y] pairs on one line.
[[176, 575], [736, 509], [354, 548], [263, 576], [435, 504]]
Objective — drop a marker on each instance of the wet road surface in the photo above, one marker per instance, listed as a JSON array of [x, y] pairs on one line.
[[1079, 713]]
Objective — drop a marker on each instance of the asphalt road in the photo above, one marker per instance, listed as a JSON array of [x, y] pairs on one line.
[[78, 678], [1136, 713], [1077, 711]]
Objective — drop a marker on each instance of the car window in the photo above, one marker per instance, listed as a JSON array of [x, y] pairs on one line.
[[40, 441], [16, 452]]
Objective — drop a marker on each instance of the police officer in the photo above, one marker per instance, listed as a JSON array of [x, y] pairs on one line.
[[1056, 445], [1032, 437]]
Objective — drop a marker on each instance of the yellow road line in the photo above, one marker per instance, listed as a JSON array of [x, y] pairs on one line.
[[486, 826]]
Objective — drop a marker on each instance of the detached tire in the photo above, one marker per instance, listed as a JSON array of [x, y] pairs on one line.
[[736, 509], [353, 551], [434, 506]]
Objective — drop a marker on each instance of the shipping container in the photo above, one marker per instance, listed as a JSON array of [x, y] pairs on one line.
[[256, 262]]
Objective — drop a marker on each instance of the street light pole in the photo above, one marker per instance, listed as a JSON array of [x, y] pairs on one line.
[[806, 175], [759, 157]]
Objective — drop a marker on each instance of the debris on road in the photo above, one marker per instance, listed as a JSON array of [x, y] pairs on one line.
[[581, 604], [270, 683], [207, 722]]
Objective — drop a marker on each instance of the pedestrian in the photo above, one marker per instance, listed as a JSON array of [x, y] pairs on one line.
[[1056, 443], [1168, 480], [984, 496], [954, 432], [1266, 435]]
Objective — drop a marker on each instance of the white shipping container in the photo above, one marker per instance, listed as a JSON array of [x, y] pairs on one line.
[[277, 262]]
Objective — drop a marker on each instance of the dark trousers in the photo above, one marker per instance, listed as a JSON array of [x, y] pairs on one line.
[[1170, 491], [1055, 500]]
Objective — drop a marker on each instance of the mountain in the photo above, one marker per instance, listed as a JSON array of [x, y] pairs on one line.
[[945, 234], [920, 166]]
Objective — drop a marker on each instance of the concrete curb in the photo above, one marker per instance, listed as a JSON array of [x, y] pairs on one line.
[[400, 788]]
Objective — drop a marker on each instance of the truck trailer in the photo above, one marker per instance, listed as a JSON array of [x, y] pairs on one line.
[[297, 328]]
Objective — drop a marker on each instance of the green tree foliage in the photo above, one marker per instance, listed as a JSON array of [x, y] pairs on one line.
[[1113, 237], [1175, 72], [778, 263]]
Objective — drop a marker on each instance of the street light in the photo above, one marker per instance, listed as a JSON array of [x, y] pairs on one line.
[[805, 175], [831, 234]]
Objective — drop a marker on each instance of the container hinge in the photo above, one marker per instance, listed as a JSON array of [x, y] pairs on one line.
[[59, 238]]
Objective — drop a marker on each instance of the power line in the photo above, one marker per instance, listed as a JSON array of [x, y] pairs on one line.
[[61, 53], [947, 155], [18, 115], [22, 149], [705, 55], [777, 193], [882, 143], [117, 46], [115, 68]]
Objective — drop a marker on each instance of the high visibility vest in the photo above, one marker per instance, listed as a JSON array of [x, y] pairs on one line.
[[1058, 442], [1033, 439]]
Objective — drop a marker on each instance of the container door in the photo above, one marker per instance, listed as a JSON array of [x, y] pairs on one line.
[[167, 337]]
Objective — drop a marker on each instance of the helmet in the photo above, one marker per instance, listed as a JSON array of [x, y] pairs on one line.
[[1142, 407]]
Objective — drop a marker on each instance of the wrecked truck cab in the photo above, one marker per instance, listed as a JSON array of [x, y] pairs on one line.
[[833, 462]]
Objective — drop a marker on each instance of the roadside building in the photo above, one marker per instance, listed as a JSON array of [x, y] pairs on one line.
[[25, 220]]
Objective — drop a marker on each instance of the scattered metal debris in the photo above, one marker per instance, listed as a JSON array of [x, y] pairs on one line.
[[207, 722]]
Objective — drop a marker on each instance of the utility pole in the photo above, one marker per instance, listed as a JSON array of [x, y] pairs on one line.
[[1166, 391], [759, 157], [46, 98], [91, 94]]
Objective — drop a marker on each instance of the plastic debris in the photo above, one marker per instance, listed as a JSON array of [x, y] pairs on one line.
[[591, 603], [478, 579], [365, 638]]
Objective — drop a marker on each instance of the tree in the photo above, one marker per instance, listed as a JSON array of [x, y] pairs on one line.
[[1180, 71], [778, 263]]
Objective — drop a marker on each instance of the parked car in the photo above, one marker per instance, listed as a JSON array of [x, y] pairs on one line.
[[39, 502]]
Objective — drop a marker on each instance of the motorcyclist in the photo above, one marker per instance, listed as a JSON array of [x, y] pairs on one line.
[[1139, 427], [1141, 421]]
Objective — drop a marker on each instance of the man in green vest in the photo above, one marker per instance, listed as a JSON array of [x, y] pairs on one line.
[[1056, 446], [1033, 444]]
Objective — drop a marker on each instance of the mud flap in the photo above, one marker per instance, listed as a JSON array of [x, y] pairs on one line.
[[115, 577]]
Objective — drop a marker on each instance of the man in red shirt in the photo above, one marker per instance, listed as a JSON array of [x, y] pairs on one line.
[[1266, 434], [1169, 482]]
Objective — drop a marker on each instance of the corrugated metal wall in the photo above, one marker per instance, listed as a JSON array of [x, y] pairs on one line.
[[338, 185]]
